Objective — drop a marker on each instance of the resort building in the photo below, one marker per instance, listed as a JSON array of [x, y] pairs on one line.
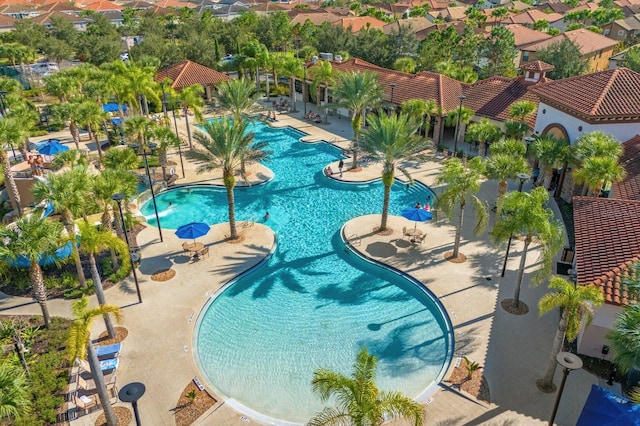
[[188, 73]]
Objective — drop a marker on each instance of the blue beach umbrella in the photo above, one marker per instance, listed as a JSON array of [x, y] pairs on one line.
[[52, 147], [113, 107], [417, 215], [192, 230]]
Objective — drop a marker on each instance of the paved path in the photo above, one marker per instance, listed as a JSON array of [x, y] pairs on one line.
[[512, 349]]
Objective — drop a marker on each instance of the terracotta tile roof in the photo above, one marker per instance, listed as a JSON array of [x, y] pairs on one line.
[[356, 23], [176, 3], [425, 85], [604, 94], [188, 73], [316, 18], [17, 3], [7, 21], [454, 13], [556, 6], [629, 187], [607, 242], [493, 96], [45, 18], [587, 41], [459, 26], [531, 16], [416, 24], [59, 6], [524, 36], [138, 5], [103, 5], [630, 23], [538, 66]]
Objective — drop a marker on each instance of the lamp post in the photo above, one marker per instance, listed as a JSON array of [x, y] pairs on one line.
[[570, 362], [304, 85], [455, 138], [523, 178], [151, 145], [118, 199], [393, 86], [528, 140], [2, 100], [175, 123], [132, 392]]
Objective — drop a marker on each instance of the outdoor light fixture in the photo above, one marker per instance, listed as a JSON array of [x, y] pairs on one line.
[[393, 86], [304, 84], [570, 362], [175, 123], [523, 178], [118, 199], [132, 392], [151, 145], [528, 140], [455, 138]]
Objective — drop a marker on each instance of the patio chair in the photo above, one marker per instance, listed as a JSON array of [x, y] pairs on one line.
[[203, 252], [88, 384], [86, 403], [404, 231], [418, 239]]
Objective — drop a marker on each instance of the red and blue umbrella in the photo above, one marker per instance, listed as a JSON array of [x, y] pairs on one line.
[[417, 215]]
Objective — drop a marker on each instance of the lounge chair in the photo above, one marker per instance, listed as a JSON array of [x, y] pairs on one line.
[[88, 384], [108, 351], [86, 403]]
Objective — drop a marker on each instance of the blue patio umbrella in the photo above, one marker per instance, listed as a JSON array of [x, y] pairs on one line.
[[52, 147], [417, 215], [192, 230], [113, 107]]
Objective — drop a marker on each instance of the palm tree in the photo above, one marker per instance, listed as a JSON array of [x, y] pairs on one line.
[[506, 162], [356, 91], [462, 183], [390, 140], [72, 113], [576, 303], [323, 75], [421, 109], [522, 109], [551, 152], [166, 139], [70, 195], [79, 347], [93, 116], [141, 86], [190, 98], [596, 172], [237, 96], [597, 155], [92, 241], [138, 129], [624, 339], [30, 237], [526, 215], [292, 67], [11, 133], [120, 159], [483, 132], [226, 144], [465, 117], [71, 158], [360, 402], [14, 398]]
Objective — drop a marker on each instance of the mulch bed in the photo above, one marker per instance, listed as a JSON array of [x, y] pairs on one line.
[[460, 259], [522, 308], [187, 412], [477, 386], [123, 414], [163, 275], [238, 240], [121, 334]]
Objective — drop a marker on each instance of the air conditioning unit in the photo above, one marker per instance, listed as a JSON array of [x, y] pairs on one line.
[[338, 58], [314, 59], [326, 56]]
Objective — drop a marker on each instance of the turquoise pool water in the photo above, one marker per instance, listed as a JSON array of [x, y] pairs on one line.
[[313, 304]]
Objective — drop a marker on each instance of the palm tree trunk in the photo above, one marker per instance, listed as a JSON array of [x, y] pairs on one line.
[[162, 158], [39, 290], [229, 183], [101, 387], [293, 93], [76, 256], [515, 303], [546, 383], [75, 134], [186, 119], [456, 242], [483, 149], [385, 203], [10, 183], [97, 284]]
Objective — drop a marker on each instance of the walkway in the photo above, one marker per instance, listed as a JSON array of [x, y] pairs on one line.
[[513, 350]]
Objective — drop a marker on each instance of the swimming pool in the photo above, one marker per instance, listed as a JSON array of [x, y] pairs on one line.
[[313, 304]]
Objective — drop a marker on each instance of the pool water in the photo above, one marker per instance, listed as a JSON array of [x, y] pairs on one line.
[[313, 304]]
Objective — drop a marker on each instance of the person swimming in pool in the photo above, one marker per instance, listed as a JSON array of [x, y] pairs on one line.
[[266, 216]]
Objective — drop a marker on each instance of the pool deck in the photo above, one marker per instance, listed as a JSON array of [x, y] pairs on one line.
[[513, 350]]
